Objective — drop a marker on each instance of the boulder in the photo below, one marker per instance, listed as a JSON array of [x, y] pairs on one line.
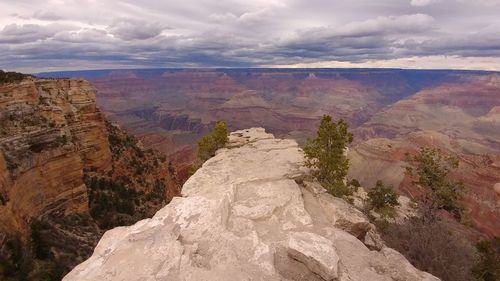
[[316, 252]]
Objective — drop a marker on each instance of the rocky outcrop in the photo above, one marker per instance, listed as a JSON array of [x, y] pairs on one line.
[[248, 214]]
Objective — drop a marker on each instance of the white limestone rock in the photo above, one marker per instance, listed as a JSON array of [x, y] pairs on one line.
[[243, 216]]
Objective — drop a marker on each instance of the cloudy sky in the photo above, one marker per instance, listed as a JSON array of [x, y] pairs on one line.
[[91, 34]]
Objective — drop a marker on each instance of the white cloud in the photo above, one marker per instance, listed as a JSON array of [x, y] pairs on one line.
[[391, 24], [422, 2], [132, 29], [414, 62], [47, 15], [223, 17], [15, 34], [255, 16]]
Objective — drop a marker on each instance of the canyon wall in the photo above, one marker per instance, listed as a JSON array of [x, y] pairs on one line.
[[51, 132], [66, 176]]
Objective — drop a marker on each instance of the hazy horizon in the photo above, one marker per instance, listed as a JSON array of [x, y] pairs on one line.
[[262, 68]]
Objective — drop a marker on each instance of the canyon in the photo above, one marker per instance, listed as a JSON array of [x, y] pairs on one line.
[[70, 173], [390, 111]]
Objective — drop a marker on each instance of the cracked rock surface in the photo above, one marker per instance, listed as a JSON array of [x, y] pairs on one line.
[[243, 216]]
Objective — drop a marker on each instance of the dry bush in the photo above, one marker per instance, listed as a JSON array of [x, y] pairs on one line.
[[431, 245]]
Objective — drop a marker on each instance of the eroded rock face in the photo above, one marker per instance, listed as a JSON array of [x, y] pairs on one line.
[[51, 130], [243, 216], [60, 163]]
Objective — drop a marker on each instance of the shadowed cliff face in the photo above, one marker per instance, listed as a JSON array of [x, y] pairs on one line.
[[66, 175]]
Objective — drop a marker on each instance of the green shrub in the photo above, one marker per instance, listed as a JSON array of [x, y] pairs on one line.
[[381, 197], [38, 147], [355, 183], [12, 77], [339, 189], [206, 148], [40, 247]]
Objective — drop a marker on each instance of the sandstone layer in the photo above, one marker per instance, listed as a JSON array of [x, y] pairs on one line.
[[51, 132], [249, 214]]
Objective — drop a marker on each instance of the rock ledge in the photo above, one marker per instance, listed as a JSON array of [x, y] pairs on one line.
[[243, 216]]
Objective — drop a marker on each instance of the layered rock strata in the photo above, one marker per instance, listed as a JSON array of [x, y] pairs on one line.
[[51, 131], [66, 175]]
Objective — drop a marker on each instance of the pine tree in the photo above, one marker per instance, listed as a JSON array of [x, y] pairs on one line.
[[325, 154]]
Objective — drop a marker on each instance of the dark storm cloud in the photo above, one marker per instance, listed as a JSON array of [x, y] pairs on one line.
[[123, 33]]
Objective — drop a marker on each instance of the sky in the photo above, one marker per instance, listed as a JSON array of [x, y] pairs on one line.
[[56, 35]]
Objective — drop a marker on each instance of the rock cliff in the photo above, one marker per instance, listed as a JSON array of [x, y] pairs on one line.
[[66, 175], [51, 131], [249, 214]]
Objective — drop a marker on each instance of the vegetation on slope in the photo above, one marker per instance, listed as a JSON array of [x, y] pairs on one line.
[[429, 241], [135, 188], [431, 169], [433, 241], [488, 266]]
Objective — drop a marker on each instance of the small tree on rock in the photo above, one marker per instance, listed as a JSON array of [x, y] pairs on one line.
[[325, 154], [209, 144]]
